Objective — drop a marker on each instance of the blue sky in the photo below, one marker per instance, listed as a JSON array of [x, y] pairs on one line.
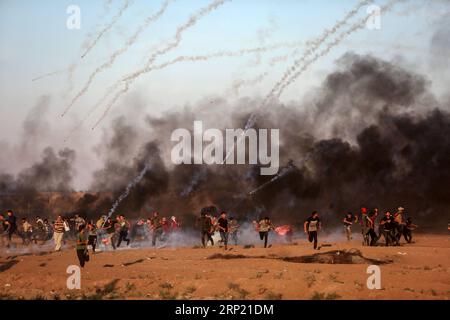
[[34, 40]]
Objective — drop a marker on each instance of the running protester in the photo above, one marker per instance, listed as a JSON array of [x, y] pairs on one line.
[[389, 226], [371, 229], [348, 222], [58, 232], [264, 226], [409, 228], [222, 225], [399, 218], [92, 239], [27, 231], [3, 229], [157, 228], [233, 228], [12, 221], [365, 226], [110, 228], [207, 229], [312, 225], [123, 231], [82, 243]]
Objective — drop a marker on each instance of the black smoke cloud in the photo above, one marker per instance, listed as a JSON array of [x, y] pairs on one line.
[[31, 190], [371, 135], [52, 173]]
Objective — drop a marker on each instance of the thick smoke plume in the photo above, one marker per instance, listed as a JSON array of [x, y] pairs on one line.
[[371, 135]]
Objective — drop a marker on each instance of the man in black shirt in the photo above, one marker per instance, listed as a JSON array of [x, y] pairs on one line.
[[387, 228], [311, 226], [222, 224], [11, 218]]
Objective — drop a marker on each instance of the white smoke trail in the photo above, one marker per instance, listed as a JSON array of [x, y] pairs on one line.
[[282, 84], [91, 111], [197, 177], [249, 82], [180, 59], [87, 40], [108, 27], [129, 187], [192, 21], [48, 75], [220, 54], [131, 41], [356, 26], [314, 44], [282, 173]]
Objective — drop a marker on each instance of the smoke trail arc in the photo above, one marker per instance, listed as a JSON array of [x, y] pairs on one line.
[[128, 189], [220, 54], [180, 59], [316, 43], [131, 41], [192, 21], [356, 26], [360, 24], [108, 27]]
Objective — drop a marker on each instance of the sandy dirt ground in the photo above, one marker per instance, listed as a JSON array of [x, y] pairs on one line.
[[420, 270]]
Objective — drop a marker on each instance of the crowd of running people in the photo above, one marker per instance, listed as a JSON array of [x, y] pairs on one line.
[[109, 232], [392, 227], [106, 231]]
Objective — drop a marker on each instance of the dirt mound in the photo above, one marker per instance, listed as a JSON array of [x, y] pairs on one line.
[[352, 256], [228, 256]]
